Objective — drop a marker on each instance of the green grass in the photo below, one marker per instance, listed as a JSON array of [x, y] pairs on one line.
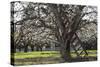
[[37, 54], [91, 53], [43, 57]]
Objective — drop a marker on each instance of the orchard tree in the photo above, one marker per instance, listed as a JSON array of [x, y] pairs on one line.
[[60, 22]]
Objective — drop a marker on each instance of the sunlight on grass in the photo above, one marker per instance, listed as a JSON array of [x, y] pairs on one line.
[[38, 54], [90, 55], [43, 57]]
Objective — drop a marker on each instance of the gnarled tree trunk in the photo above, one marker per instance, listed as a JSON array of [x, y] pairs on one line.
[[65, 30]]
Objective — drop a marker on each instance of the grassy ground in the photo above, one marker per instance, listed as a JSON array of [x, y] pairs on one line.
[[36, 54], [43, 57]]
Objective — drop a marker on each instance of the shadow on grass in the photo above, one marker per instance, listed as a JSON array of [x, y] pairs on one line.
[[50, 60], [82, 59]]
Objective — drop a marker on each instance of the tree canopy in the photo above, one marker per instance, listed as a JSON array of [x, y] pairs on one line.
[[41, 24]]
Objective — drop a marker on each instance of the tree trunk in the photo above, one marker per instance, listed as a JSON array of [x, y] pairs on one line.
[[37, 48], [26, 48], [20, 49], [40, 48], [32, 48], [65, 29], [65, 51]]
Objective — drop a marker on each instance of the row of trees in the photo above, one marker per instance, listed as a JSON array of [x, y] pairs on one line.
[[39, 25]]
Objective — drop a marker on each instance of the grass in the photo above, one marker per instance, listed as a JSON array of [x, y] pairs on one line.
[[91, 53], [43, 57], [37, 54]]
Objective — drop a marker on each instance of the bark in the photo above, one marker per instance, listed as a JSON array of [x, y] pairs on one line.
[[64, 34], [32, 48], [20, 49], [40, 48], [37, 48], [26, 48]]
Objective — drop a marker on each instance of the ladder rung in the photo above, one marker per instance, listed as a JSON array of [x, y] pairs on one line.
[[81, 52], [73, 39], [76, 42]]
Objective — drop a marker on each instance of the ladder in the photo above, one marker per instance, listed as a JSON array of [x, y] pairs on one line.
[[78, 46]]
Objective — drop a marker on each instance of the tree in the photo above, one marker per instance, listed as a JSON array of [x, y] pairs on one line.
[[58, 23]]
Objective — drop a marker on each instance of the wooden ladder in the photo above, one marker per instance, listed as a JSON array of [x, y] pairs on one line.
[[78, 47]]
